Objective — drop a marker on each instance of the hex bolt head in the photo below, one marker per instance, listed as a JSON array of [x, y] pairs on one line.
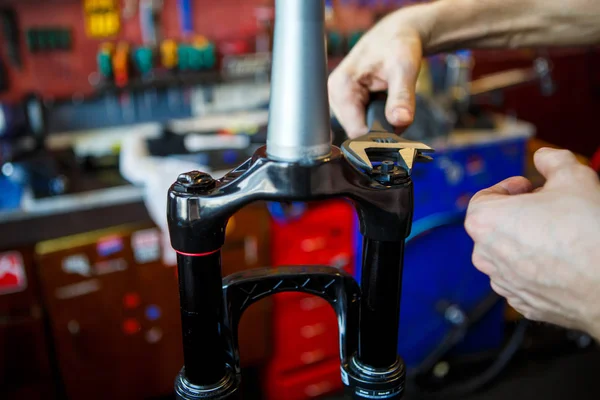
[[194, 181], [387, 166]]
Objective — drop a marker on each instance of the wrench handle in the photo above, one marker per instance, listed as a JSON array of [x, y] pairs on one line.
[[376, 118]]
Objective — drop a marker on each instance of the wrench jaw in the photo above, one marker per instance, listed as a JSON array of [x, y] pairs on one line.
[[379, 146]]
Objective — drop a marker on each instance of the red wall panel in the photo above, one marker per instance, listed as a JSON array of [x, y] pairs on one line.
[[568, 117], [62, 74]]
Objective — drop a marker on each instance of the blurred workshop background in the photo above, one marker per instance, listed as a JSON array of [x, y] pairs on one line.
[[104, 102]]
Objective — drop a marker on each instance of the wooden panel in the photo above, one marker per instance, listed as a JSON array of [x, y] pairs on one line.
[[86, 302], [25, 369], [116, 320], [246, 247]]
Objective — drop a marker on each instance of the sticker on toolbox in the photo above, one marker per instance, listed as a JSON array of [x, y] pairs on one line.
[[12, 273], [77, 264], [77, 289], [154, 335], [146, 245], [109, 245], [453, 171], [110, 266], [475, 165]]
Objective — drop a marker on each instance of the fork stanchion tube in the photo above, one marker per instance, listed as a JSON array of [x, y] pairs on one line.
[[201, 300], [381, 285]]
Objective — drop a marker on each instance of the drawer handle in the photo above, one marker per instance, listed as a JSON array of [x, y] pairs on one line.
[[318, 389], [310, 303], [340, 261], [314, 244], [251, 250], [311, 357], [310, 331]]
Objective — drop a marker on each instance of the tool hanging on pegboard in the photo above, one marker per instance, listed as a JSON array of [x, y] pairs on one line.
[[10, 29], [129, 8], [185, 17], [150, 11], [4, 79], [102, 18], [48, 39]]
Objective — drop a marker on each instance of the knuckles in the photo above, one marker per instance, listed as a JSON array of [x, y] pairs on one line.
[[477, 223], [481, 263], [530, 313]]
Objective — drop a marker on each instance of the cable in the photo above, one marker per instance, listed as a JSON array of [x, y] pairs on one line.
[[474, 384], [455, 335], [458, 332]]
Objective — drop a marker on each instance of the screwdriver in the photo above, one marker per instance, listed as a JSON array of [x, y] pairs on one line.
[[11, 35]]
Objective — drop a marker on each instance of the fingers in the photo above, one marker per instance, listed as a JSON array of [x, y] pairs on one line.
[[402, 75], [349, 96], [348, 100], [482, 261], [516, 185], [481, 220], [508, 187], [501, 289], [377, 63]]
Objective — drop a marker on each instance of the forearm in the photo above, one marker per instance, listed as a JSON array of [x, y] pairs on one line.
[[447, 25]]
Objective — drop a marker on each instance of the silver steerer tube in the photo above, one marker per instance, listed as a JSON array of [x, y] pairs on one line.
[[299, 122]]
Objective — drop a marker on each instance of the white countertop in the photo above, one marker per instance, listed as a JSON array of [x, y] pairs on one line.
[[97, 141]]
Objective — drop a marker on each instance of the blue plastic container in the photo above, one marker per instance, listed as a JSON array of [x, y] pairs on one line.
[[10, 194]]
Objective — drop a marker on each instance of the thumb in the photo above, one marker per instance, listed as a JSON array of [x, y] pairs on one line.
[[508, 187], [551, 163]]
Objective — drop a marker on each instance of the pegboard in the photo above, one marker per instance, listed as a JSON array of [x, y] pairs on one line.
[[65, 74]]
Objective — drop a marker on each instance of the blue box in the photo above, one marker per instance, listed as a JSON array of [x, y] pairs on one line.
[[10, 194]]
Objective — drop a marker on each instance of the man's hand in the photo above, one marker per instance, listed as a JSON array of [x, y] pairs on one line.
[[388, 57], [541, 249]]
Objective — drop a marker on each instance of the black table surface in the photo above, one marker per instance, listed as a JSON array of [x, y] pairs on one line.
[[571, 375]]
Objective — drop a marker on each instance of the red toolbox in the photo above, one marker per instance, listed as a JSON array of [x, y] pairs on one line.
[[321, 380], [302, 336], [305, 359], [323, 235]]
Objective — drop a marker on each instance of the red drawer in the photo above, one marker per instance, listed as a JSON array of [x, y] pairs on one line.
[[306, 333], [321, 380], [317, 237]]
